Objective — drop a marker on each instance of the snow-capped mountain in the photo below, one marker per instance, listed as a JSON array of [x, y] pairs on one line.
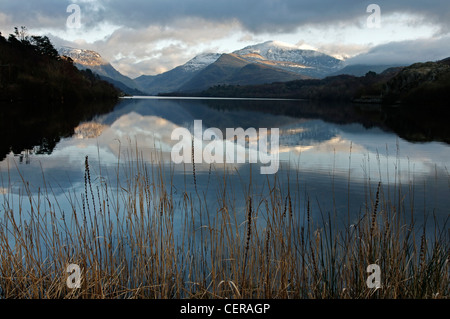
[[289, 57], [83, 57], [88, 59]]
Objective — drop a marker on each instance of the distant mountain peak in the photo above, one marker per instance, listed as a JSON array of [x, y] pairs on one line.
[[290, 57], [280, 44], [82, 56]]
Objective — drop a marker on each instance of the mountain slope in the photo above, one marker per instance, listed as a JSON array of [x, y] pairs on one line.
[[88, 59], [174, 79], [217, 72], [233, 69], [426, 84]]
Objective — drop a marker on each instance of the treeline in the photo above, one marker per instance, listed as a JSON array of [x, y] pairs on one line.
[[31, 69], [333, 88]]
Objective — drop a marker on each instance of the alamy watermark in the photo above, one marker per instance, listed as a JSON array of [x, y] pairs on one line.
[[374, 279], [374, 20], [74, 278], [74, 19], [218, 150]]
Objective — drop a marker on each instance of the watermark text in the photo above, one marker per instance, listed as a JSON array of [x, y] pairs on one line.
[[218, 150]]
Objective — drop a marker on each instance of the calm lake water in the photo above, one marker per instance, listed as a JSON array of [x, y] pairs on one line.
[[334, 155]]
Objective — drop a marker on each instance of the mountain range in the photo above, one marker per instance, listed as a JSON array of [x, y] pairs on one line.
[[267, 62]]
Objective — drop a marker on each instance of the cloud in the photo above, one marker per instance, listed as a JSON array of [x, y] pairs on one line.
[[255, 16], [268, 15], [405, 52], [342, 51], [44, 14], [139, 36]]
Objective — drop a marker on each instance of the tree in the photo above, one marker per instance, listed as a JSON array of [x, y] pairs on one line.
[[2, 38], [44, 46], [370, 74], [22, 34]]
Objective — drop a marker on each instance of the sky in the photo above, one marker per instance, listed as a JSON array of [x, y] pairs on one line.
[[149, 37]]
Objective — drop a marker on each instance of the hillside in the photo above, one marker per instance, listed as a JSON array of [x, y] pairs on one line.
[[31, 69], [335, 88], [420, 83], [362, 69]]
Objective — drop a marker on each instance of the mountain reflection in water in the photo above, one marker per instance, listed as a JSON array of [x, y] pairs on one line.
[[327, 150]]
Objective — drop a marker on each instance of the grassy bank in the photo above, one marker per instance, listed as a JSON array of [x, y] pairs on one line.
[[137, 235]]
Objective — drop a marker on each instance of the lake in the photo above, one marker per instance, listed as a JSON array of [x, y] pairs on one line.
[[95, 197], [331, 156]]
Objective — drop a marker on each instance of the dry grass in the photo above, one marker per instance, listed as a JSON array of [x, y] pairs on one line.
[[138, 236]]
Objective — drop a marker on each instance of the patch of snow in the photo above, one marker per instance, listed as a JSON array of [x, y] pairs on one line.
[[201, 61], [278, 53]]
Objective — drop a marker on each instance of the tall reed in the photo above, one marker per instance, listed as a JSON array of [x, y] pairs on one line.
[[136, 234]]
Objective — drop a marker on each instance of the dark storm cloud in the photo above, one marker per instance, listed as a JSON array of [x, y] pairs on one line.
[[255, 16], [268, 15], [46, 13], [31, 9]]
